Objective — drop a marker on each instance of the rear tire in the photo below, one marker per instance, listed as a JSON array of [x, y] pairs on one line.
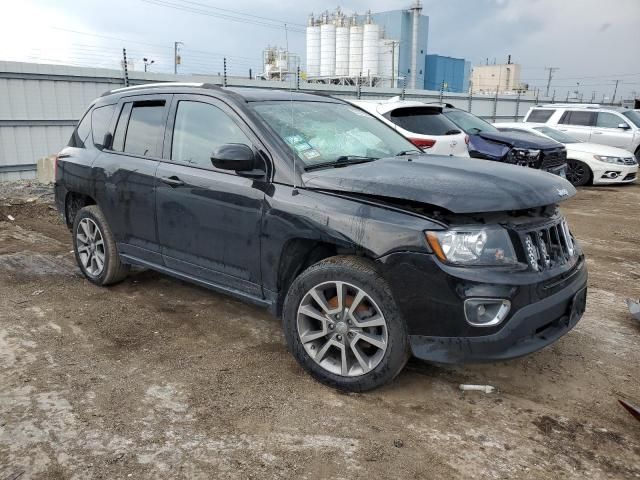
[[330, 338], [95, 248], [578, 173]]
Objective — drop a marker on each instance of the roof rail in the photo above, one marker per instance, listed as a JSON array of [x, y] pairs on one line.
[[569, 105], [160, 84]]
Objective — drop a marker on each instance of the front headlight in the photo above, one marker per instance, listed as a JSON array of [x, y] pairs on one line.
[[473, 246], [608, 159], [526, 153]]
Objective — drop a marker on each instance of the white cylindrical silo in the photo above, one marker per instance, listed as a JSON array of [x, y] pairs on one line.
[[327, 50], [342, 51], [355, 50], [370, 49], [313, 51]]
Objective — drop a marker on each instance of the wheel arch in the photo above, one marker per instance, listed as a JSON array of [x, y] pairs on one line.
[[299, 254], [73, 202]]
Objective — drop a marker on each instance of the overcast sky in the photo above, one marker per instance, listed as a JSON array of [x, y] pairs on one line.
[[591, 41]]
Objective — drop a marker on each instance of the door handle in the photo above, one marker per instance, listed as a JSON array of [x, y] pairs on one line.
[[597, 133], [172, 181]]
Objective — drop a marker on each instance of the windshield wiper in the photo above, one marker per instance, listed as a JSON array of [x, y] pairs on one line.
[[341, 161], [408, 152]]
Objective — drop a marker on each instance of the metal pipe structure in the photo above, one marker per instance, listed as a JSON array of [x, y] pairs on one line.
[[416, 10]]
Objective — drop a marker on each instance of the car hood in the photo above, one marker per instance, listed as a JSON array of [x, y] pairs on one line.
[[519, 139], [597, 149], [457, 184]]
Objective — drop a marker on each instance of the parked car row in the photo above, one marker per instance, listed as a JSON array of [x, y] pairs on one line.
[[586, 162], [368, 249], [583, 143]]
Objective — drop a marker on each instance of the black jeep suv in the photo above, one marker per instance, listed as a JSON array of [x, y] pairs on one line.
[[367, 249]]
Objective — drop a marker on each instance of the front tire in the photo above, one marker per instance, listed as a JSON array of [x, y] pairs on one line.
[[578, 173], [95, 248], [343, 326]]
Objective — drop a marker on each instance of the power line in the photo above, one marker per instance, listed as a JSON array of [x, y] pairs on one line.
[[200, 11], [240, 13]]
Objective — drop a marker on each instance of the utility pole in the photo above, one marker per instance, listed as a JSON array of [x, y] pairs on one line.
[[551, 70], [394, 44], [615, 90], [176, 57]]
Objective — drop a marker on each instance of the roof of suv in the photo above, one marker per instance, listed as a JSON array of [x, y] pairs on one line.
[[579, 106], [249, 94]]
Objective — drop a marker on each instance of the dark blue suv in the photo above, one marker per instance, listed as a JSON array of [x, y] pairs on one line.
[[518, 148]]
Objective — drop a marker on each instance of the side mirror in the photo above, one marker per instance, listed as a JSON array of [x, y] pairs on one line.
[[106, 141], [624, 126], [233, 156]]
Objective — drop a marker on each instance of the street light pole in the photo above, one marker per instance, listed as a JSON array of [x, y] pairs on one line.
[[147, 63]]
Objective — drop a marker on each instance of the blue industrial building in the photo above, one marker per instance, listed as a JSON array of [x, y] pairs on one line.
[[452, 72], [398, 25]]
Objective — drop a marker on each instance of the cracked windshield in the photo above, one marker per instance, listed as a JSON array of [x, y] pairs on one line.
[[323, 133]]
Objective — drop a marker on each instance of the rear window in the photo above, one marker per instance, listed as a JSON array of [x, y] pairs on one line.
[[100, 120], [146, 125], [424, 121], [577, 117], [540, 116], [80, 134]]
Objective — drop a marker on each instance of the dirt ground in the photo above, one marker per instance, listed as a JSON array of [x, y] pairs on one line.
[[155, 378]]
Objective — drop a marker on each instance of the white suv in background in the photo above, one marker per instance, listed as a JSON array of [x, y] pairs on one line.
[[423, 124], [613, 126]]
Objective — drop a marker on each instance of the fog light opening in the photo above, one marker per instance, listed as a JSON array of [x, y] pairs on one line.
[[611, 175], [486, 312]]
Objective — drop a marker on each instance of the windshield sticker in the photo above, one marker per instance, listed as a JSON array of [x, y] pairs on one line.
[[302, 147], [310, 154]]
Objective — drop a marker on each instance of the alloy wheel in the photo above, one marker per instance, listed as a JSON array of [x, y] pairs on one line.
[[90, 245], [342, 328], [576, 172]]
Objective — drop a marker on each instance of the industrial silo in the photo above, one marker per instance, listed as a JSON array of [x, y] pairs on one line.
[[355, 48], [370, 49], [327, 48], [313, 48], [342, 48]]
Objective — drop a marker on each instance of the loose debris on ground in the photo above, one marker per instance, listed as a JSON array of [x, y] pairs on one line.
[[155, 378]]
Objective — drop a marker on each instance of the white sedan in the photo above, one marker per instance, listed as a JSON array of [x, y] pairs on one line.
[[423, 124], [586, 162]]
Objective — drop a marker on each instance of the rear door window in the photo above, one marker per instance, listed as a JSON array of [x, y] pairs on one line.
[[608, 120], [424, 121], [145, 128], [577, 117], [100, 121], [121, 128], [539, 115]]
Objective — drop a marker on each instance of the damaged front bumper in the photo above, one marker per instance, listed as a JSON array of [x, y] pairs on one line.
[[540, 313]]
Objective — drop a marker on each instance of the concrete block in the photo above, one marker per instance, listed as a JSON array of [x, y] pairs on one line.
[[46, 169]]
